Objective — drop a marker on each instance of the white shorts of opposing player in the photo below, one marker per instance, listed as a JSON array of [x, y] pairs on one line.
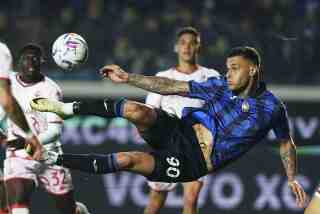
[[161, 186], [166, 187], [20, 211], [54, 179]]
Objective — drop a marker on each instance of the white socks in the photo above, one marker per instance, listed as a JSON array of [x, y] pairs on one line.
[[20, 211], [67, 108]]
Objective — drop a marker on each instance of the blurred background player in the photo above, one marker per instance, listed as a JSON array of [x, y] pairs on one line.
[[187, 47], [21, 173], [8, 102]]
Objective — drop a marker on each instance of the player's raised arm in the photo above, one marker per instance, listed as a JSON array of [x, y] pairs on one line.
[[160, 85], [11, 106]]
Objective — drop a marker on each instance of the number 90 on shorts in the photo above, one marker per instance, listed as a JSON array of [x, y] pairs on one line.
[[173, 170]]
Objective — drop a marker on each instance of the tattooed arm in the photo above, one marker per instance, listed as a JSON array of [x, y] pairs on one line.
[[289, 158], [159, 85]]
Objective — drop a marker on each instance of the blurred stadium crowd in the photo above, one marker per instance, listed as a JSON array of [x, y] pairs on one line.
[[139, 34]]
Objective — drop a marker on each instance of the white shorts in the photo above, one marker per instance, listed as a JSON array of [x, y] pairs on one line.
[[54, 179], [166, 187]]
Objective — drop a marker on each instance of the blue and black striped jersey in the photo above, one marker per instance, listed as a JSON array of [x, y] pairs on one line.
[[235, 123]]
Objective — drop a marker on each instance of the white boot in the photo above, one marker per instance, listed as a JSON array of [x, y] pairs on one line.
[[81, 208]]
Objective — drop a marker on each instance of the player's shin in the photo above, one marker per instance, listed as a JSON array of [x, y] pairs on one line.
[[103, 108], [90, 163]]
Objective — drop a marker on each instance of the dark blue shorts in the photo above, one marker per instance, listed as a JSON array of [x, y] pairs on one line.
[[177, 154]]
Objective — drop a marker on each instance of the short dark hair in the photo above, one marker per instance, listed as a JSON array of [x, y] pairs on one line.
[[249, 53], [188, 30], [31, 46]]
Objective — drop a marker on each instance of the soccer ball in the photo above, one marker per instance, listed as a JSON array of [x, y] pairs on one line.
[[69, 51]]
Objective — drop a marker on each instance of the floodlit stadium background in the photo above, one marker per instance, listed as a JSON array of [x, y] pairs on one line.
[[139, 35]]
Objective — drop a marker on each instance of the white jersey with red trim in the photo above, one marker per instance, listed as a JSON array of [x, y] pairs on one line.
[[174, 104], [18, 164], [5, 61], [24, 93]]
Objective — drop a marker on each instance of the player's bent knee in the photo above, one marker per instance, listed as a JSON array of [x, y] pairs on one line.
[[138, 162], [141, 115], [125, 160]]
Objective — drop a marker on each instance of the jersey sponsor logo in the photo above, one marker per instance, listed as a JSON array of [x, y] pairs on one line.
[[245, 106]]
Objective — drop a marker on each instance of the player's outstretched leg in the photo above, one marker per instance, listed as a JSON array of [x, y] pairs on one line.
[[137, 162], [140, 114]]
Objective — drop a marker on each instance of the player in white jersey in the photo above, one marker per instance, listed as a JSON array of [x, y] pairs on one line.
[[21, 173], [13, 110], [9, 104], [187, 48]]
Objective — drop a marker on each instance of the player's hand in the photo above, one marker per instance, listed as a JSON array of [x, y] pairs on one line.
[[299, 193], [114, 73], [34, 147]]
